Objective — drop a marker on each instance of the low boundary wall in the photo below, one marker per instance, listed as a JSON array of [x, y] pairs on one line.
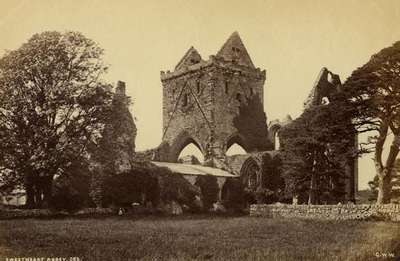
[[46, 213], [389, 212]]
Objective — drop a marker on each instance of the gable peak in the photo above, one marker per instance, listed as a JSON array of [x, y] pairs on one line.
[[191, 57], [235, 51]]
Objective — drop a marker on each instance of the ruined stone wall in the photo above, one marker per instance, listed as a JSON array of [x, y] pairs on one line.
[[236, 89], [214, 103], [187, 111], [390, 212]]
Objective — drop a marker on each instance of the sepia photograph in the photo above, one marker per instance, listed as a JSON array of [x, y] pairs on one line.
[[199, 130]]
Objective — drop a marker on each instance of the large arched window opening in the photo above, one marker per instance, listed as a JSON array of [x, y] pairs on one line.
[[276, 140], [274, 135], [191, 154], [235, 149], [249, 174], [235, 145]]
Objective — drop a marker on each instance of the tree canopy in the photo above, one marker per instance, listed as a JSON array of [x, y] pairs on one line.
[[374, 89], [52, 103], [316, 149]]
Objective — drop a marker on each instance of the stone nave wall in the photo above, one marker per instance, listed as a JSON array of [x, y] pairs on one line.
[[389, 212]]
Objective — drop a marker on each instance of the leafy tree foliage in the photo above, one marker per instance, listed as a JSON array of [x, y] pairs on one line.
[[316, 150], [174, 187], [273, 183], [145, 183], [130, 187], [209, 190], [233, 194], [70, 191], [374, 89], [52, 103], [252, 117]]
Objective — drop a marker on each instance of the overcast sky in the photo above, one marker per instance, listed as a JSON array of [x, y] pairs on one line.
[[292, 40]]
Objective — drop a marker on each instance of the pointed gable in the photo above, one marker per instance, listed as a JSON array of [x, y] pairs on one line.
[[191, 57], [234, 50]]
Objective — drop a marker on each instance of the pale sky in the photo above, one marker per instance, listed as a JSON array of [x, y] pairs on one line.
[[292, 40]]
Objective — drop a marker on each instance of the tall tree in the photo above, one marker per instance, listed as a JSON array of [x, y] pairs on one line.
[[316, 150], [52, 103], [395, 195], [395, 185], [375, 90]]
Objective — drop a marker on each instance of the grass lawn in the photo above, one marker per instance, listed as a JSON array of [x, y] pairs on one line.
[[198, 237]]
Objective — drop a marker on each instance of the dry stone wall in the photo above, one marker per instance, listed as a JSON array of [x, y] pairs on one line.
[[390, 212], [47, 213]]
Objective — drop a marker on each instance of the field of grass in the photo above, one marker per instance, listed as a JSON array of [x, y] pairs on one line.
[[198, 237]]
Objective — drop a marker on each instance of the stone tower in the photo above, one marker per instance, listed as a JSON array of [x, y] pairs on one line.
[[214, 103]]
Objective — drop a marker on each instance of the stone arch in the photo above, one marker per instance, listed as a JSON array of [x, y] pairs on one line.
[[250, 174], [191, 154], [180, 142], [238, 139], [235, 149], [274, 134]]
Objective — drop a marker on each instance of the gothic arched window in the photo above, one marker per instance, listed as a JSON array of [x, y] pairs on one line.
[[252, 181]]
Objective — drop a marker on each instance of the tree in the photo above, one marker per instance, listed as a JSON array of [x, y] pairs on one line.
[[294, 151], [316, 150], [52, 105], [71, 190], [395, 185], [374, 89]]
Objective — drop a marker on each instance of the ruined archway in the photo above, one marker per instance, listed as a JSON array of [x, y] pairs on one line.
[[191, 154], [235, 149], [250, 179], [274, 135], [236, 141], [180, 143], [250, 174]]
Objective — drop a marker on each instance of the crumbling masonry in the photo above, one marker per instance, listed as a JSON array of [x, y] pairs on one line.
[[214, 104], [218, 102]]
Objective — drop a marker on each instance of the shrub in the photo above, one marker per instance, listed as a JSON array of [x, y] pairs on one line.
[[174, 187], [146, 183], [70, 192], [273, 182], [209, 190], [129, 187], [233, 195]]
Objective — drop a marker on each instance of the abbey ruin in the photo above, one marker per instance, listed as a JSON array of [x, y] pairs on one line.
[[218, 102]]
